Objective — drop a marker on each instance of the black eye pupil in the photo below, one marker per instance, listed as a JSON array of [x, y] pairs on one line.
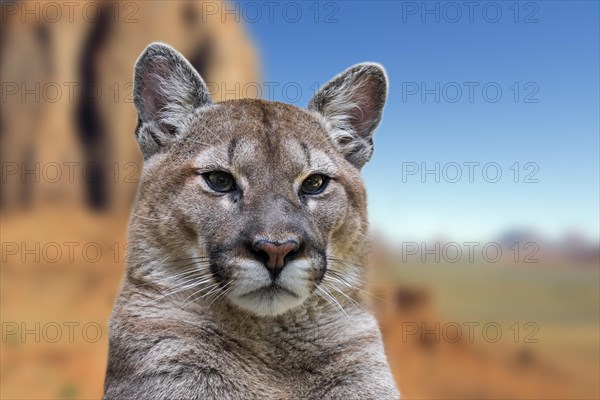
[[313, 184], [220, 181], [223, 182]]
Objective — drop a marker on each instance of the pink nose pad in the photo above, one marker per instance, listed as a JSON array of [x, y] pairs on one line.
[[275, 252]]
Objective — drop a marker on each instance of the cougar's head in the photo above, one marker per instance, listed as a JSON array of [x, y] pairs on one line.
[[256, 202]]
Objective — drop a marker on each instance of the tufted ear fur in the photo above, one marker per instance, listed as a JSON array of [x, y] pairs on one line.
[[352, 104], [167, 89]]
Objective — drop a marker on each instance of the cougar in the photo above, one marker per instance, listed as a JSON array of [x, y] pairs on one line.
[[247, 244]]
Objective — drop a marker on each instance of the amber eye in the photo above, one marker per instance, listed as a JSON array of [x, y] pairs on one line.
[[314, 184], [220, 181]]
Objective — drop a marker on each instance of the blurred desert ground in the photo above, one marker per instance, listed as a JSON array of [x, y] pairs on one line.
[[55, 302]]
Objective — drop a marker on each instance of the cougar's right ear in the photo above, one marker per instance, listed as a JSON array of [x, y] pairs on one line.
[[352, 104], [167, 89]]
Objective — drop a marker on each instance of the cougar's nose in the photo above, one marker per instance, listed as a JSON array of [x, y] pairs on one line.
[[275, 253]]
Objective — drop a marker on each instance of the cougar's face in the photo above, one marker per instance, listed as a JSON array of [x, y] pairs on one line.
[[259, 191], [249, 200]]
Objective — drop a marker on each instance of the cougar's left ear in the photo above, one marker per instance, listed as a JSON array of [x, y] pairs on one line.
[[167, 89], [352, 104]]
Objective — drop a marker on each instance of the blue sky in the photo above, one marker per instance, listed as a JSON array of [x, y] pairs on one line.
[[543, 56]]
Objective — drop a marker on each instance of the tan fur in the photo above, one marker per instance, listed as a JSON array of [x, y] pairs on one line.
[[182, 326]]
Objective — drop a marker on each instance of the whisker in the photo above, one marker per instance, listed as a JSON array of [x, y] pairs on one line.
[[191, 297], [341, 291], [143, 217], [339, 276], [215, 289], [187, 285], [223, 293], [195, 268], [190, 258], [200, 264], [351, 280], [175, 291], [325, 297], [330, 296], [346, 296], [163, 282], [214, 134], [332, 258], [187, 275], [247, 314]]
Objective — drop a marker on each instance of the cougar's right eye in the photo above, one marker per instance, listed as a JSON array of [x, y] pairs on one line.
[[219, 181], [314, 184]]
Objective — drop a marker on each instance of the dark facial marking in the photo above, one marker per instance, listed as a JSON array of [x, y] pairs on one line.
[[267, 126], [306, 153], [231, 150]]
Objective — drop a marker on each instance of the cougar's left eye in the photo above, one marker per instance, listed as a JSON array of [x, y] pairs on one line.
[[220, 181], [314, 184]]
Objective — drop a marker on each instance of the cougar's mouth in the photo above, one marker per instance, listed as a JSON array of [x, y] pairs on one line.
[[270, 291], [257, 291]]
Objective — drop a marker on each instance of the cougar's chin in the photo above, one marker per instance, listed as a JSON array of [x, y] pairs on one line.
[[256, 292], [268, 301]]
